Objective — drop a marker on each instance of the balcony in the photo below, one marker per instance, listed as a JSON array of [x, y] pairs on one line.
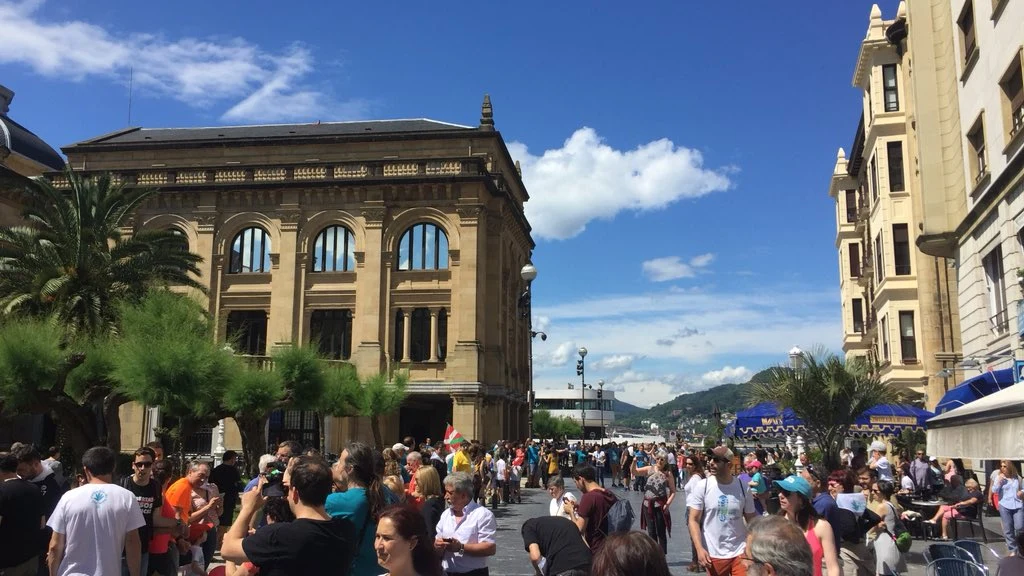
[[1000, 322], [1017, 120]]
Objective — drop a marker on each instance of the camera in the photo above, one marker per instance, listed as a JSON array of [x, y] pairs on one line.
[[275, 480]]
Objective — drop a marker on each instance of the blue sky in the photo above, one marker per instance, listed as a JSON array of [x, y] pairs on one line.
[[678, 154]]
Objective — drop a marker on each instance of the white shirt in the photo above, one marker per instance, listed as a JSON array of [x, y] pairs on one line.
[[94, 519], [477, 526], [724, 526], [690, 484], [884, 469], [907, 484], [555, 508], [600, 457], [499, 469]]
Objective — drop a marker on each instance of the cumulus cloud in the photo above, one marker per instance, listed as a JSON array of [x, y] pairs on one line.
[[616, 362], [673, 267], [561, 354], [727, 375], [199, 72], [541, 323], [586, 179]]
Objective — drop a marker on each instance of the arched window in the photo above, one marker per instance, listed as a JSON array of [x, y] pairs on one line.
[[423, 247], [334, 250], [250, 251], [180, 237]]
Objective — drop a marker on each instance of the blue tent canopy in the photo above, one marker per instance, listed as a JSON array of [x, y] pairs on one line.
[[973, 388], [764, 419], [890, 419]]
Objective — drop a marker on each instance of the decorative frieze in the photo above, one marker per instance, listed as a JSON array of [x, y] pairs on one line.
[[310, 173], [446, 168], [269, 174], [191, 177], [152, 178], [229, 176], [351, 171], [60, 182], [401, 169]]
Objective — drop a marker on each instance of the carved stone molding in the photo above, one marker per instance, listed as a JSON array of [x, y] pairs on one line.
[[275, 260], [469, 214], [290, 220], [374, 217]]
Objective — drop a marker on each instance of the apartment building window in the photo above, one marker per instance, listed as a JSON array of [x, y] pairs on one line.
[[874, 179], [885, 338], [1013, 98], [854, 260], [879, 272], [908, 340], [976, 147], [858, 315], [890, 88], [894, 151], [995, 285], [968, 40], [851, 205], [901, 249]]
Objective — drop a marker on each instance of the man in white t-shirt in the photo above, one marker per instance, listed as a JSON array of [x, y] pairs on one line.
[[726, 505], [879, 463], [93, 523], [600, 460]]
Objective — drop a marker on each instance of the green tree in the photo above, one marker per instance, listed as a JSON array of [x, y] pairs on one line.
[[827, 393], [547, 426], [72, 261], [377, 396]]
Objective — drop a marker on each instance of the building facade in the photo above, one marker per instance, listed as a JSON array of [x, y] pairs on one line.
[[395, 245], [896, 301], [593, 409]]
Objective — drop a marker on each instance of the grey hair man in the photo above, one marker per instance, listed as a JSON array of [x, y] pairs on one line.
[[474, 523], [777, 547]]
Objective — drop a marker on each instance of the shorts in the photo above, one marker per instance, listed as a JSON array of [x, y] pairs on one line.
[[727, 567]]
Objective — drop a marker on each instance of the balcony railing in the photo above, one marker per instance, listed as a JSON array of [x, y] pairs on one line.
[[1017, 119], [903, 269], [1000, 322], [851, 215]]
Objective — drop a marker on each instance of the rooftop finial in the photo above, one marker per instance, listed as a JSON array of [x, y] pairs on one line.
[[486, 114], [841, 155], [519, 168]]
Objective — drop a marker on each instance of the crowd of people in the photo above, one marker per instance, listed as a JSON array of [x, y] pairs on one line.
[[426, 509]]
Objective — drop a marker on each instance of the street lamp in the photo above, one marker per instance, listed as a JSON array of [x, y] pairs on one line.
[[528, 274], [600, 406], [581, 371]]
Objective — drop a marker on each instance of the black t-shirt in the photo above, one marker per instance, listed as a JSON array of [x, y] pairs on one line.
[[303, 547], [149, 499], [559, 541], [51, 490], [21, 507], [227, 479]]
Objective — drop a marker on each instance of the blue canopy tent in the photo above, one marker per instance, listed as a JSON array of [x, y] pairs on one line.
[[890, 420], [764, 419], [974, 388]]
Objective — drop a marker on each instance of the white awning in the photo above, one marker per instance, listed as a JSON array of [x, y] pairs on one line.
[[989, 428]]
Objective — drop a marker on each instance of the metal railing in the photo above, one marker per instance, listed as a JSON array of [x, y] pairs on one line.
[[1000, 322]]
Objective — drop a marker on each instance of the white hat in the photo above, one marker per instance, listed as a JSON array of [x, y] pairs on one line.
[[398, 447], [878, 446]]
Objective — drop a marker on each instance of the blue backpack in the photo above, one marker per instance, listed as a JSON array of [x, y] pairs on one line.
[[620, 517]]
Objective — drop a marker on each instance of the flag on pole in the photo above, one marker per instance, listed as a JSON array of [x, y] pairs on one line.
[[452, 436]]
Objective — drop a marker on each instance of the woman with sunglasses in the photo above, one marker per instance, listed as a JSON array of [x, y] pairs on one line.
[[695, 473], [795, 496], [659, 491], [882, 537], [1011, 511]]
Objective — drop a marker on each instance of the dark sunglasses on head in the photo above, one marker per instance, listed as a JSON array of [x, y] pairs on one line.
[[142, 464]]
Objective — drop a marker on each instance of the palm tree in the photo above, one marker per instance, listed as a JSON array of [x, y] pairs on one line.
[[72, 262], [827, 393]]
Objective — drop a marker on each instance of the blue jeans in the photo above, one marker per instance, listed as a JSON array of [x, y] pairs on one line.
[[143, 568], [1013, 523]]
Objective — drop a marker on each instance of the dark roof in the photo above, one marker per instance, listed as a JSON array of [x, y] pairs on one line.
[[20, 140], [274, 131]]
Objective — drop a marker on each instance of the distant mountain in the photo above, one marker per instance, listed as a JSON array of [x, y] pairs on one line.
[[625, 408], [728, 398]]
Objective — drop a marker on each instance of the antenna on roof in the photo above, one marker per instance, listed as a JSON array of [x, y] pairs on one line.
[[131, 75]]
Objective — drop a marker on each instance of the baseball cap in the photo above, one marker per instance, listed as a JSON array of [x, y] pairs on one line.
[[795, 484], [398, 447], [720, 452], [877, 446], [754, 464]]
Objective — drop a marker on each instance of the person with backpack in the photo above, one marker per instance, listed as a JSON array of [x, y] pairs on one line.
[[720, 506], [593, 515], [883, 536]]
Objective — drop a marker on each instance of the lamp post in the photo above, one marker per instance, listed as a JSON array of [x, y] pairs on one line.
[[717, 415], [581, 371], [600, 406], [528, 274]]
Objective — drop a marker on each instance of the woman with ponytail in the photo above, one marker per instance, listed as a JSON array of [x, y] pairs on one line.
[[402, 545], [361, 500]]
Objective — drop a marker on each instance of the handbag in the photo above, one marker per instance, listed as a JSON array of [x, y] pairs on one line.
[[901, 534]]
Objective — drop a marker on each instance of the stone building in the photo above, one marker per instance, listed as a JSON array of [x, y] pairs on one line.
[[897, 302], [395, 244]]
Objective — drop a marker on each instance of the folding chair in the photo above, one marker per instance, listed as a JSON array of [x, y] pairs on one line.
[[982, 554], [941, 550], [953, 567], [976, 518]]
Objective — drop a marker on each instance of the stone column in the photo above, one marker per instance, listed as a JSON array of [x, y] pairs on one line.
[[284, 278], [434, 340], [371, 316], [406, 334]]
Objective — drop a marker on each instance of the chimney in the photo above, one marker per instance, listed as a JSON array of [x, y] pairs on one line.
[[6, 96]]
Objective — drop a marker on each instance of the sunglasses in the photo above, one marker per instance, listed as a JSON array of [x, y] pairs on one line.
[[142, 464], [689, 463]]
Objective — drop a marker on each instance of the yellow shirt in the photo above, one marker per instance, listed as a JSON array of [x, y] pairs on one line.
[[552, 463], [460, 463]]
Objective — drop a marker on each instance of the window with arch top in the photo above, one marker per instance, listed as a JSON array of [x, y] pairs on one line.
[[250, 251], [423, 246], [334, 250]]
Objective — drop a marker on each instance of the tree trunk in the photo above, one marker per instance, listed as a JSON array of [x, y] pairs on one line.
[[112, 420], [253, 441], [375, 428]]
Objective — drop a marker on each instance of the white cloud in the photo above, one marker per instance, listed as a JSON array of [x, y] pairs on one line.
[[672, 267], [198, 72], [586, 179], [561, 354], [727, 375], [616, 362], [541, 323]]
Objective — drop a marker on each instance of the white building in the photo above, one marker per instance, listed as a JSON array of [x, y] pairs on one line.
[[580, 405]]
